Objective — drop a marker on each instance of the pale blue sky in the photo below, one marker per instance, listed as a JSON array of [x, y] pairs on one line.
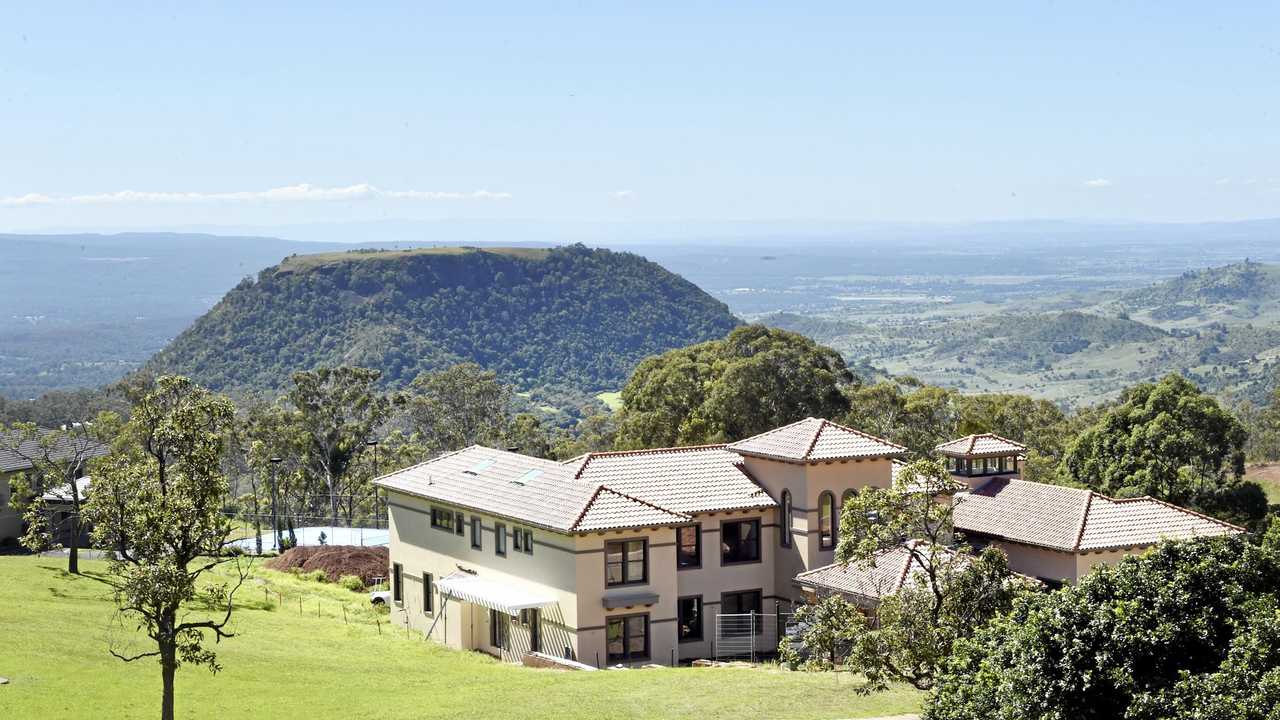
[[646, 111]]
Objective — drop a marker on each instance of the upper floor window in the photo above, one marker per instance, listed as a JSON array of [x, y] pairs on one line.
[[499, 539], [626, 562], [784, 535], [517, 540], [689, 546], [740, 541], [826, 521], [528, 541], [459, 523], [476, 530], [441, 518]]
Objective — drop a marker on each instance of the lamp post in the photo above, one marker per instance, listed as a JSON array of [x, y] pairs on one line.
[[374, 444], [275, 517]]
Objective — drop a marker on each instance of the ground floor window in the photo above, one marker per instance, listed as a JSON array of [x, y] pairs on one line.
[[690, 618], [627, 638], [397, 582], [426, 593], [498, 629], [741, 603]]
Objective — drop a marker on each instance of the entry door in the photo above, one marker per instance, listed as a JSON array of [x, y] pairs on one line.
[[535, 631]]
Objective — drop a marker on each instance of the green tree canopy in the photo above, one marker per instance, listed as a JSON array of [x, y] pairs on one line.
[[336, 411], [157, 502], [1186, 632], [949, 595], [1170, 441], [755, 379], [460, 406]]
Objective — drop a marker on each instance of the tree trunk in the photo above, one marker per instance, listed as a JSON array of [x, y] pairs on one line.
[[168, 665], [73, 547]]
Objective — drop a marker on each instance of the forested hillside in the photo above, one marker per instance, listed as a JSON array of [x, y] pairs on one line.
[[571, 315]]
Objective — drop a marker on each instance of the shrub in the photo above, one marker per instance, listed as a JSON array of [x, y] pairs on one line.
[[314, 576], [352, 583]]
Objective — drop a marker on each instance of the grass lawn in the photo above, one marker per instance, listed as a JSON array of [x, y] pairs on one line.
[[1268, 476], [611, 399], [55, 630]]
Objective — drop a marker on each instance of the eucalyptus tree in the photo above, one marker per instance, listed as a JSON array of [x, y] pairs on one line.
[[336, 412]]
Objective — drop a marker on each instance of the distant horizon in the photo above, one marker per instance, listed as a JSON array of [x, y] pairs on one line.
[[559, 232]]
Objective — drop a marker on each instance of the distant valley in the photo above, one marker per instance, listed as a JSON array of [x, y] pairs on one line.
[[1072, 312]]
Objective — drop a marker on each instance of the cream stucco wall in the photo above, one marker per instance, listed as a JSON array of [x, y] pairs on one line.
[[1058, 565], [1051, 565], [1085, 562], [571, 568], [807, 483], [420, 548]]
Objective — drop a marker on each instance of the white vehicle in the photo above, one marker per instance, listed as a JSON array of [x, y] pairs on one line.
[[380, 597]]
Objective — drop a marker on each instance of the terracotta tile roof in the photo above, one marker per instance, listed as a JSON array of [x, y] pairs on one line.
[[688, 480], [539, 492], [867, 582], [1114, 524], [610, 509], [1073, 520], [597, 491], [816, 440], [984, 445]]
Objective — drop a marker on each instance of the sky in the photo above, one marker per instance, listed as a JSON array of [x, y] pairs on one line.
[[120, 115]]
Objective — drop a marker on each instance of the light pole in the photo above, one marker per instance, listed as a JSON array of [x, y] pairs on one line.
[[374, 444], [275, 517]]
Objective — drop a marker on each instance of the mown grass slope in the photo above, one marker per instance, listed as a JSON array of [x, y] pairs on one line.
[[310, 663]]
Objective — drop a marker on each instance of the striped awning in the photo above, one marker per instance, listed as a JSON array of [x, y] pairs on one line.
[[490, 594]]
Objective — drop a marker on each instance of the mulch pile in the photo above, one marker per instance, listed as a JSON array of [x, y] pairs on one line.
[[336, 561]]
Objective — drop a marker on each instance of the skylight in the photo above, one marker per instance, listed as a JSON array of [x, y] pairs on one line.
[[482, 465], [529, 475]]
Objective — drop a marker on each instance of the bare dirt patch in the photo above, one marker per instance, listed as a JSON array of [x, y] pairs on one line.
[[335, 561]]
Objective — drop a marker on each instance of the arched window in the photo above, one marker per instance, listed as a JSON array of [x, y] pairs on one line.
[[826, 521], [785, 511]]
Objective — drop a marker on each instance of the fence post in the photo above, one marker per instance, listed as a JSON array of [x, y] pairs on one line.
[[751, 633]]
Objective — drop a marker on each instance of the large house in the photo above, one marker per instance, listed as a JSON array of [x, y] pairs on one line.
[[629, 557]]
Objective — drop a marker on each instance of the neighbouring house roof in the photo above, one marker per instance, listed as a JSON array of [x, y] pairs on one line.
[[15, 459], [62, 493], [816, 440], [1076, 520], [688, 480], [867, 582], [984, 445]]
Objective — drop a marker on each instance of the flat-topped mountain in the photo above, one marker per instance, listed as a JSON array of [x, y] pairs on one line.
[[569, 315]]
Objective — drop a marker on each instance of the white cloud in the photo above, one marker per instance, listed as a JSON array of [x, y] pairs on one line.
[[623, 194], [289, 193], [28, 199], [1097, 183]]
